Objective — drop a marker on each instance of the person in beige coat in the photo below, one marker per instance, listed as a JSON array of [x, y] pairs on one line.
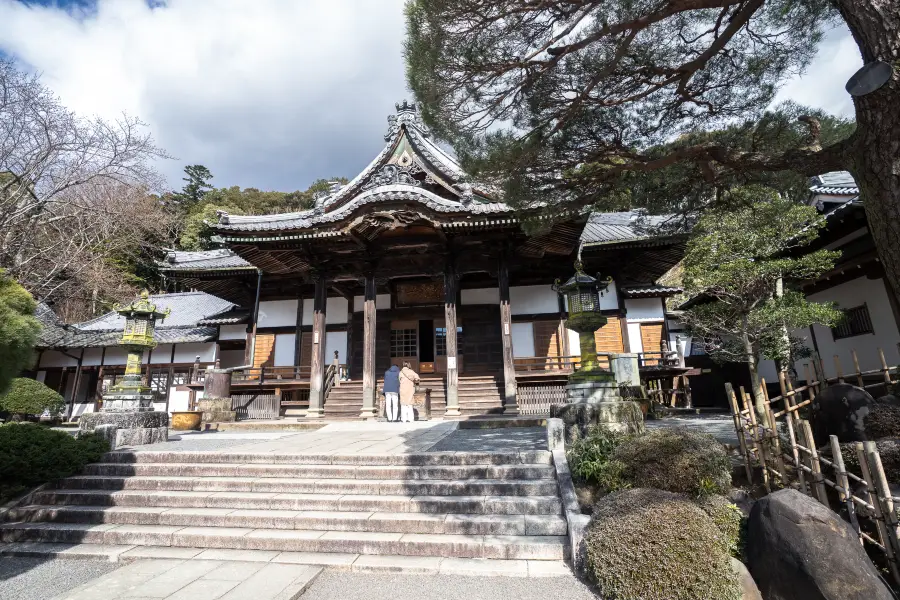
[[408, 381]]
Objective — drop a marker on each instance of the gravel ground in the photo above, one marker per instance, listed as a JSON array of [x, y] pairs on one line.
[[337, 585], [507, 439], [41, 579], [720, 427]]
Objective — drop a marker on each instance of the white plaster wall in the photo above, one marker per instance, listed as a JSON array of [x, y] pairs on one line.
[[92, 357], [336, 340], [178, 400], [644, 309], [231, 358], [574, 343], [162, 354], [186, 353], [766, 369], [277, 313], [522, 339], [285, 348], [847, 295], [234, 332], [634, 337], [53, 358], [82, 408], [382, 302], [115, 356], [335, 310], [482, 296], [41, 376], [533, 299]]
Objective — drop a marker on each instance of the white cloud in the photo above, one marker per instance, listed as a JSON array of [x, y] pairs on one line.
[[270, 93], [822, 85], [266, 93]]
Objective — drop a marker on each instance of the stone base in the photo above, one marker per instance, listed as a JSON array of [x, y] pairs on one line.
[[216, 410], [590, 392], [127, 428], [124, 420], [617, 415]]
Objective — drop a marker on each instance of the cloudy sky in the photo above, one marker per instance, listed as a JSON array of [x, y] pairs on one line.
[[270, 94]]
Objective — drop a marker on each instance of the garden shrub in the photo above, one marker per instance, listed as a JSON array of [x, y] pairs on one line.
[[676, 460], [27, 397], [645, 544], [728, 518], [31, 455], [590, 459]]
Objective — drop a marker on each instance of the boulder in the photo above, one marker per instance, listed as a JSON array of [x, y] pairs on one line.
[[840, 410], [749, 591], [798, 549]]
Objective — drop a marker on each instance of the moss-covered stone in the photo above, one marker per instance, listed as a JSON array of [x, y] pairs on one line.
[[646, 544], [676, 460]]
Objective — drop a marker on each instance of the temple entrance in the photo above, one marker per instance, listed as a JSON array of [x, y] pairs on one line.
[[423, 344]]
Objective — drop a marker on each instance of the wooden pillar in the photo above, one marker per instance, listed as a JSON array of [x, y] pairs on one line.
[[298, 332], [77, 384], [317, 359], [510, 405], [369, 391], [451, 285]]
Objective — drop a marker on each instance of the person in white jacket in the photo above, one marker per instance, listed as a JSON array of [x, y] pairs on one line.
[[409, 379]]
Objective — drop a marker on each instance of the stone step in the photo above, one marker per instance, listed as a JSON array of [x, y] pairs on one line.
[[433, 487], [491, 505], [294, 540], [365, 521], [423, 459], [459, 473]]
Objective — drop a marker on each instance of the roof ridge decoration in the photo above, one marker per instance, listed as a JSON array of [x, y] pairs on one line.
[[407, 114]]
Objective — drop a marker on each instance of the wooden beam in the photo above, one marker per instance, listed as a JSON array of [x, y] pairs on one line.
[[451, 285], [510, 404], [317, 359], [369, 391]]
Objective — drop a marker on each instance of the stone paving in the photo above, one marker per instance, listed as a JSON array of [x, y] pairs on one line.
[[162, 579], [508, 439], [720, 427]]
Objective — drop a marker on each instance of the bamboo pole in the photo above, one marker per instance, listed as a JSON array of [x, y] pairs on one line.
[[844, 493], [823, 382], [772, 434], [884, 369], [788, 405], [739, 429], [814, 464], [859, 379], [885, 500], [876, 508], [760, 448], [837, 367], [809, 380]]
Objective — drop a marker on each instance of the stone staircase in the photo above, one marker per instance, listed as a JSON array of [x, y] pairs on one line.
[[447, 505], [478, 395]]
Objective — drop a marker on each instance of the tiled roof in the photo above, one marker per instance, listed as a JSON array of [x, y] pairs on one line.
[[396, 192], [650, 290], [835, 183], [180, 327], [604, 228], [206, 260], [232, 317]]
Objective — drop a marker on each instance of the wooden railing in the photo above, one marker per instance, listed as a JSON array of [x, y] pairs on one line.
[[547, 363], [669, 358], [263, 374], [776, 440]]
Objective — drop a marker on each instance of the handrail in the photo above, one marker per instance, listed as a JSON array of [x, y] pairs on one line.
[[330, 379]]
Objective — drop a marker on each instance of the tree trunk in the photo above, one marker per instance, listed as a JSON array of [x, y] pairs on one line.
[[875, 158], [752, 360]]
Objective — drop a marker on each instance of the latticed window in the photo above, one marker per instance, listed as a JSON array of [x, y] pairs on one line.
[[404, 342], [583, 301], [440, 341], [856, 321], [159, 384], [140, 327]]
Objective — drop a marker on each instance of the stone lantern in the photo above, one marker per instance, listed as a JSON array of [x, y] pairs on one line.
[[127, 416], [593, 393]]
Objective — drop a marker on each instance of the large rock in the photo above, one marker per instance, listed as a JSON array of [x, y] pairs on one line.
[[840, 410], [749, 591], [798, 549], [618, 415]]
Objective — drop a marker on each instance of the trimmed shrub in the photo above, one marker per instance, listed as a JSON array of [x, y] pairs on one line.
[[19, 329], [591, 462], [645, 544], [31, 455], [29, 397], [676, 460], [728, 518]]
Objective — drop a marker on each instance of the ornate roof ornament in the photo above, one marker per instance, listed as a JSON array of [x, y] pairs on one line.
[[407, 114], [468, 192]]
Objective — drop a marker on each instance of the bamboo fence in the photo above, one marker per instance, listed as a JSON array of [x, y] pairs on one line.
[[780, 445]]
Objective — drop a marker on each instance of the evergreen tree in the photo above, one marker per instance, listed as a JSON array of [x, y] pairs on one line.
[[19, 330]]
